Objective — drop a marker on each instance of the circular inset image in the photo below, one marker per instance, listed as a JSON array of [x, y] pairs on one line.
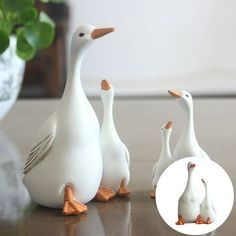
[[194, 196]]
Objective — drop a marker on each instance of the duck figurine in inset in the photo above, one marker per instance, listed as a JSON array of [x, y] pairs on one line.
[[187, 145], [116, 159], [64, 168], [208, 213], [190, 200], [165, 157]]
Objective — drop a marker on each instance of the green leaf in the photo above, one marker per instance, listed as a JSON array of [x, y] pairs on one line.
[[19, 31], [39, 34], [43, 17], [57, 1], [28, 15], [23, 49], [1, 15], [16, 5], [4, 41]]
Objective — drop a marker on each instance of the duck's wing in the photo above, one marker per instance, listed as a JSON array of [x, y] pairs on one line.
[[43, 143], [127, 154]]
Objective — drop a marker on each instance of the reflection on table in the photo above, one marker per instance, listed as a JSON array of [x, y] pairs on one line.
[[113, 218]]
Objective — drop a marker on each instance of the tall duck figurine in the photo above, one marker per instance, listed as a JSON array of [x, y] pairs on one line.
[[208, 212], [187, 145], [115, 154], [165, 157], [190, 200], [64, 168]]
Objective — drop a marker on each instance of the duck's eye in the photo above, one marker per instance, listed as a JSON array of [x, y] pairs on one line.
[[81, 34], [187, 95]]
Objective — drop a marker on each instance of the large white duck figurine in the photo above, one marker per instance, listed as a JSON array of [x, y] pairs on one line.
[[187, 145], [64, 168], [208, 213], [116, 160], [190, 200], [165, 158]]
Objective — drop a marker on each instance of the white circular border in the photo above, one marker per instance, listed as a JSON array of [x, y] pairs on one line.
[[172, 184]]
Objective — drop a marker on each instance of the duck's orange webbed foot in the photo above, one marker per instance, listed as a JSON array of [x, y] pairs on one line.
[[72, 207], [152, 194], [180, 221], [199, 220], [208, 221], [104, 194], [123, 191]]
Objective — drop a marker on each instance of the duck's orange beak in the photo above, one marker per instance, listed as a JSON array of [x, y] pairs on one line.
[[105, 85], [168, 125], [97, 33], [175, 93]]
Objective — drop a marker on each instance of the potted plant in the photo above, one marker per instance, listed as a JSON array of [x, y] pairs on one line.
[[23, 31]]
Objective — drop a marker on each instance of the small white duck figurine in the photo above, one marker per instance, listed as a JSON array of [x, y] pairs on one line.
[[190, 200], [187, 145], [208, 213], [165, 158], [116, 159], [64, 168]]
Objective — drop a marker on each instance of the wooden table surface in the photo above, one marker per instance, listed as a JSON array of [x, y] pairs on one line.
[[138, 123]]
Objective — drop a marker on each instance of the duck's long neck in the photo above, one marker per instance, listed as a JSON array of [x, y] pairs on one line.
[[108, 122], [189, 132], [206, 194], [190, 180], [73, 84], [165, 150]]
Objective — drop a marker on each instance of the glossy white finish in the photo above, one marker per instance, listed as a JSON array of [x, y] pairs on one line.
[[165, 158], [190, 200], [188, 145], [12, 71], [73, 153], [116, 160], [207, 208]]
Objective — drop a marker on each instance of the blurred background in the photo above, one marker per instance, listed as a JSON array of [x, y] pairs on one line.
[[158, 45]]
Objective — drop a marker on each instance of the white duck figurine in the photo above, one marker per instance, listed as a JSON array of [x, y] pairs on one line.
[[165, 158], [116, 160], [187, 145], [64, 168], [190, 200], [208, 213]]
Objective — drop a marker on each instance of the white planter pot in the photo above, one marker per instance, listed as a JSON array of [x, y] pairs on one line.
[[11, 75]]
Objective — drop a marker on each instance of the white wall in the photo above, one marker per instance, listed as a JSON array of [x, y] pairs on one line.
[[160, 44]]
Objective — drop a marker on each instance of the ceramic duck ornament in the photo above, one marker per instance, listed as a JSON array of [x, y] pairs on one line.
[[165, 157], [208, 213], [190, 200], [116, 160], [64, 168], [187, 145]]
